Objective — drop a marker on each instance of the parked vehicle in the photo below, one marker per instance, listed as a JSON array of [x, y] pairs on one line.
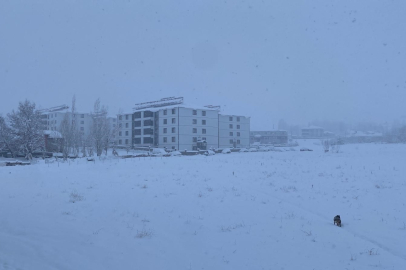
[[226, 151], [243, 150], [305, 149], [252, 150], [175, 154], [209, 153], [159, 152]]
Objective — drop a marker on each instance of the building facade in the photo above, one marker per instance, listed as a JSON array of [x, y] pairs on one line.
[[168, 123], [312, 132], [269, 137], [234, 131], [52, 120]]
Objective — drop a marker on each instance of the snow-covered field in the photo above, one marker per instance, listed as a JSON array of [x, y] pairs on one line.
[[264, 210]]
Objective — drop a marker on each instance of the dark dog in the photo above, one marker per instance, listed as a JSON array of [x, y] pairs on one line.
[[337, 220]]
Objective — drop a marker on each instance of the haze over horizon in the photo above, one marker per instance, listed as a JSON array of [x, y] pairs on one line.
[[270, 60]]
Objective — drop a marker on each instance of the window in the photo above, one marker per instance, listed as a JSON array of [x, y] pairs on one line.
[[173, 111], [194, 112], [126, 141], [231, 141], [238, 126], [238, 119], [83, 116], [126, 125], [165, 139], [148, 140], [136, 123], [165, 121], [126, 133], [194, 130], [120, 117], [231, 125], [203, 113], [194, 139], [203, 131], [82, 128], [194, 148], [137, 140], [82, 122], [173, 130], [231, 134], [148, 123], [238, 134], [165, 112], [194, 121], [137, 115], [203, 122], [173, 139], [173, 147], [230, 118], [238, 141], [165, 130], [119, 134], [148, 131], [137, 131], [119, 142], [173, 120], [126, 117], [204, 138], [148, 114]]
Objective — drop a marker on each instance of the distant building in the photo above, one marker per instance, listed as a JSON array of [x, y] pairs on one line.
[[53, 117], [53, 141], [269, 137], [172, 124], [312, 132], [354, 136]]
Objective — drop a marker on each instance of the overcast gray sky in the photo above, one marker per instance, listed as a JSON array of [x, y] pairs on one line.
[[296, 60]]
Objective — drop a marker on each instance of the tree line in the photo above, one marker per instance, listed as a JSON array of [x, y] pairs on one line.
[[22, 132]]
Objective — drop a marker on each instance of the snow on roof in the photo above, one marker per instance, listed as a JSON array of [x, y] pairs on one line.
[[53, 134], [312, 127], [357, 133], [183, 105]]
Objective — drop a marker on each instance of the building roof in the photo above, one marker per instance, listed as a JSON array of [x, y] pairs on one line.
[[53, 134], [312, 127]]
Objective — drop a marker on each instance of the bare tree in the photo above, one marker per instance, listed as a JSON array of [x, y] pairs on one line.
[[71, 135], [326, 145], [100, 131]]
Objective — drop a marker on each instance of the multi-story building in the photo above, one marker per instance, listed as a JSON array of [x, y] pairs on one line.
[[170, 123], [312, 132], [269, 137], [234, 131], [53, 117]]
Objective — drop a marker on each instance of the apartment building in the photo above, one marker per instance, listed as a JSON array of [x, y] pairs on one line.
[[53, 117], [312, 132], [269, 137], [234, 131], [172, 124]]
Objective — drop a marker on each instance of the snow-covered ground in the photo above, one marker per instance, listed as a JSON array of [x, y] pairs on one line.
[[260, 210]]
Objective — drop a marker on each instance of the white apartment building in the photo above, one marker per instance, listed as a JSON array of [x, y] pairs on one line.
[[53, 118], [234, 131], [124, 132], [170, 123]]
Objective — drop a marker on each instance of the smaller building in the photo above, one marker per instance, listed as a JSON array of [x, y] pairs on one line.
[[269, 137], [53, 141], [312, 132], [354, 136]]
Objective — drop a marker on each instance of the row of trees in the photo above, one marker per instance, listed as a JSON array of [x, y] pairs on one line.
[[22, 132]]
